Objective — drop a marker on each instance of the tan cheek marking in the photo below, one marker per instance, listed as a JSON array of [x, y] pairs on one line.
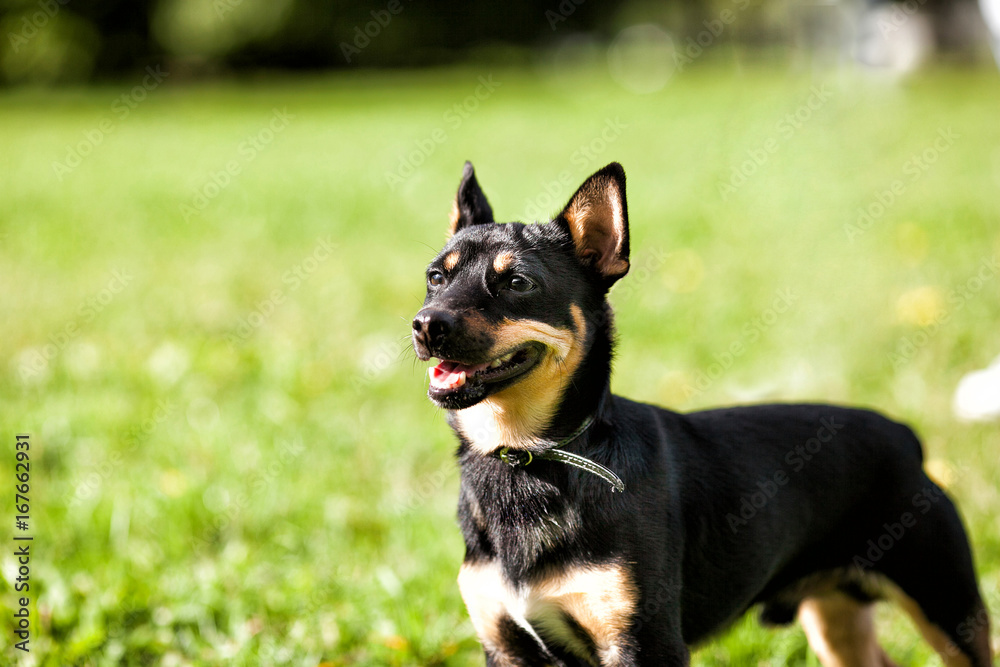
[[453, 218], [451, 259], [502, 261], [602, 600], [515, 416], [511, 333]]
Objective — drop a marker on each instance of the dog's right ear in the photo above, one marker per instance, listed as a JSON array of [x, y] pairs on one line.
[[470, 206]]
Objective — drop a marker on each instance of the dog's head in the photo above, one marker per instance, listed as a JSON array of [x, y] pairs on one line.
[[510, 308]]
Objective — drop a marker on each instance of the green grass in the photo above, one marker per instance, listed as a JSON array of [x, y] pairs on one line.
[[287, 496]]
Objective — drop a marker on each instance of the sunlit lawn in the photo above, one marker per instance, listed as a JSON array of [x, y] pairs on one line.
[[205, 326]]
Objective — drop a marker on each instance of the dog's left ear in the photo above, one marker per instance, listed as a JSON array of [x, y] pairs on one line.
[[597, 217], [470, 206]]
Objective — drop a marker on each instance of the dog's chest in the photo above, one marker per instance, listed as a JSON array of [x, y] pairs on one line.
[[518, 518], [583, 610]]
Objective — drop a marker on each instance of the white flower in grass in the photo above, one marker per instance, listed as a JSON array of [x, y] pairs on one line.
[[977, 397]]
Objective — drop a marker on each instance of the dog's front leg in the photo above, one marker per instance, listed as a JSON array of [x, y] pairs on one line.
[[656, 626]]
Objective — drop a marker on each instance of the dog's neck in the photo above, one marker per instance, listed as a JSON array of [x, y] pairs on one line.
[[490, 425]]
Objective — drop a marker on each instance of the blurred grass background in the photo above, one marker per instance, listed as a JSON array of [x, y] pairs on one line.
[[233, 458]]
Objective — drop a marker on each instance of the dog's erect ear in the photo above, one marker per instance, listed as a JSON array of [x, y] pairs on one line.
[[470, 206], [597, 217]]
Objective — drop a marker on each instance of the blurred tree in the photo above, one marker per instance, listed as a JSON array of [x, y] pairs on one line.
[[55, 40], [60, 40]]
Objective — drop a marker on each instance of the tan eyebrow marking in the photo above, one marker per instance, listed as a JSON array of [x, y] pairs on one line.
[[503, 261], [451, 259]]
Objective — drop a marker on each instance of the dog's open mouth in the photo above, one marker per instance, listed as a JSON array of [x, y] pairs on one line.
[[450, 377]]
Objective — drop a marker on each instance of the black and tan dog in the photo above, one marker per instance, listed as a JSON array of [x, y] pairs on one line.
[[808, 511]]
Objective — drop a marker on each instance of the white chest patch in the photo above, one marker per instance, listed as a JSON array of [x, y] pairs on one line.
[[599, 599]]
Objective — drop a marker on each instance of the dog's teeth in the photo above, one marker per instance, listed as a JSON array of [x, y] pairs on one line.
[[507, 357], [496, 363]]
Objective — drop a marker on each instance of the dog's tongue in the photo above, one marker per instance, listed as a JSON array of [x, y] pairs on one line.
[[451, 374]]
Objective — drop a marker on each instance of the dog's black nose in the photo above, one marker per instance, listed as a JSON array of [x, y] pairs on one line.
[[432, 327]]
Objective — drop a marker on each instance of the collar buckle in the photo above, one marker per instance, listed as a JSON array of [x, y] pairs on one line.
[[515, 458]]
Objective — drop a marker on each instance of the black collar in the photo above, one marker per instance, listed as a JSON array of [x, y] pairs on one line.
[[517, 458]]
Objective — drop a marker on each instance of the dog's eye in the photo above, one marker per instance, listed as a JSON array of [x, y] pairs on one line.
[[520, 284], [435, 278]]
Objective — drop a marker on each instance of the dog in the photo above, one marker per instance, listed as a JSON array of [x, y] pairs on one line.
[[603, 531]]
